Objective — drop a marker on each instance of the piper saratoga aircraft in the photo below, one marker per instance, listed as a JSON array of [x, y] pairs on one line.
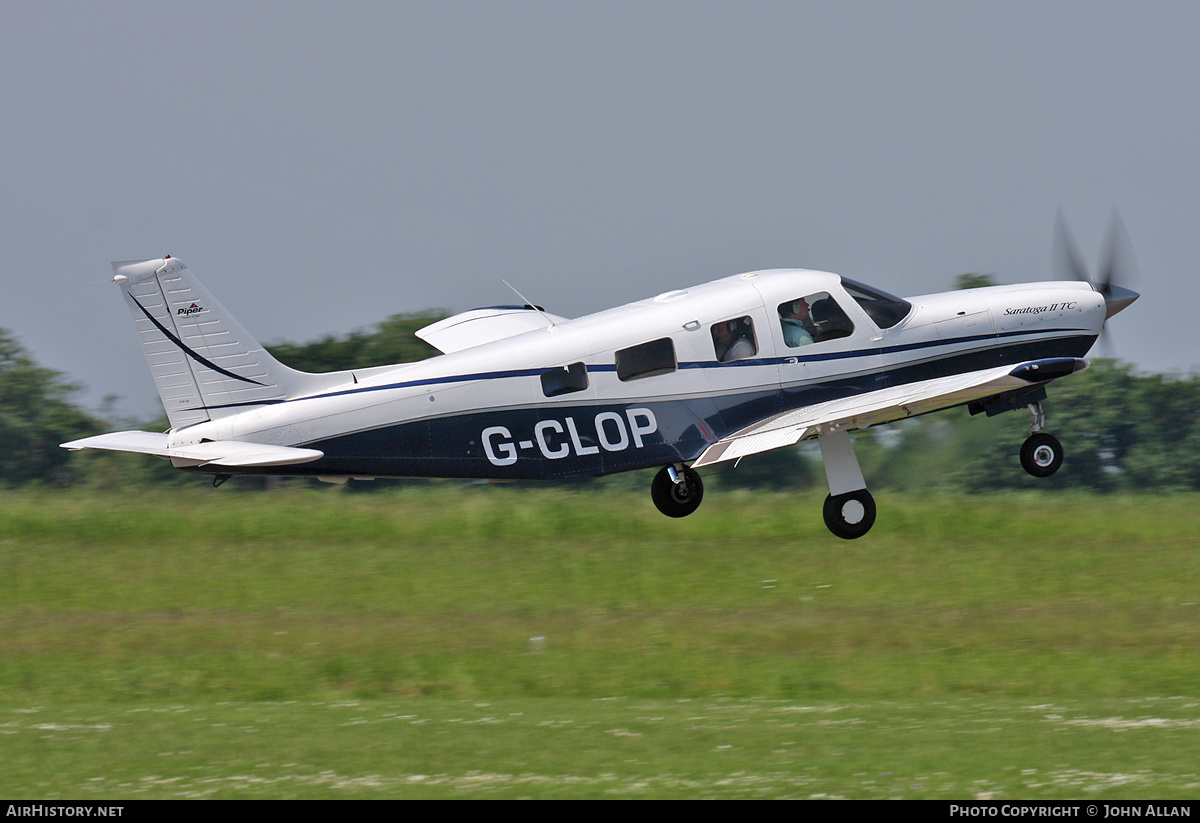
[[696, 376]]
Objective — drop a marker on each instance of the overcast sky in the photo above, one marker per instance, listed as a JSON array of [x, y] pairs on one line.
[[322, 166]]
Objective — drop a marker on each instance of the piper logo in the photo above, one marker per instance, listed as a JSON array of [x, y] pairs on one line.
[[556, 439], [195, 308]]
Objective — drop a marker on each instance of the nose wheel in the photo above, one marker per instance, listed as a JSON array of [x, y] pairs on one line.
[[677, 491], [1041, 454]]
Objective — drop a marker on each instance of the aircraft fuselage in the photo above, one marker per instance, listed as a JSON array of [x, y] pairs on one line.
[[604, 393]]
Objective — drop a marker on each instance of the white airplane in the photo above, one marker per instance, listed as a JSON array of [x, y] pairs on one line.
[[702, 375]]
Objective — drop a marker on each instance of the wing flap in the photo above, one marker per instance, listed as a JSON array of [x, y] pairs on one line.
[[211, 453], [864, 410]]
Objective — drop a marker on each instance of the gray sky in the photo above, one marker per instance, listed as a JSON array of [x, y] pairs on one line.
[[324, 165]]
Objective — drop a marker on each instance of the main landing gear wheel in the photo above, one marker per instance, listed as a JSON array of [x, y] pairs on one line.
[[850, 515], [1041, 454], [677, 499]]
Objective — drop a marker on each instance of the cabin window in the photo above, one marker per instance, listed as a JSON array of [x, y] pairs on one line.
[[646, 360], [885, 309], [734, 339], [564, 380], [814, 318]]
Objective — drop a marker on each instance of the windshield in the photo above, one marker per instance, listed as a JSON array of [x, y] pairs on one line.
[[885, 309]]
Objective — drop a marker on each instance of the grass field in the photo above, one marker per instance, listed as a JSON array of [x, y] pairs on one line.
[[463, 641]]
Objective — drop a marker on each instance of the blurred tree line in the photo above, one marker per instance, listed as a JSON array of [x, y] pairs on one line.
[[393, 340], [35, 416], [1121, 430]]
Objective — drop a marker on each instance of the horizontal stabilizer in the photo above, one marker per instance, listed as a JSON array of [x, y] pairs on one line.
[[211, 453]]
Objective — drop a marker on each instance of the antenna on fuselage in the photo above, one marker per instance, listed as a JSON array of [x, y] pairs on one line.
[[528, 302]]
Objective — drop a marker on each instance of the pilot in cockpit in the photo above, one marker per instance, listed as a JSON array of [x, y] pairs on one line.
[[797, 323]]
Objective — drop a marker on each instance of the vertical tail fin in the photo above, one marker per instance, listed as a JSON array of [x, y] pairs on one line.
[[205, 365]]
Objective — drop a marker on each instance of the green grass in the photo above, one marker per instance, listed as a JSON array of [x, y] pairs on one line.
[[325, 644]]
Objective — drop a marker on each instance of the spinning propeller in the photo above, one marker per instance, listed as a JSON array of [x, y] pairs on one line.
[[1117, 264]]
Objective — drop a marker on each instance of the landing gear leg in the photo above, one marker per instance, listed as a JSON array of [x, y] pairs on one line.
[[849, 509], [1041, 453], [677, 490]]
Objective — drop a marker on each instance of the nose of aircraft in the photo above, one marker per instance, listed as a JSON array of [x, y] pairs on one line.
[[1116, 298]]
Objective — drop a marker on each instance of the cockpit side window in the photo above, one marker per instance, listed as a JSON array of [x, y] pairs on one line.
[[734, 339], [884, 309], [814, 318]]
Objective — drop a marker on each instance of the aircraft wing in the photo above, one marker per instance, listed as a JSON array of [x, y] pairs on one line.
[[863, 410], [214, 452]]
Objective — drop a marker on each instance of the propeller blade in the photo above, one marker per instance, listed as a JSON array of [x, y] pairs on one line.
[[1067, 261], [1116, 264], [1118, 267]]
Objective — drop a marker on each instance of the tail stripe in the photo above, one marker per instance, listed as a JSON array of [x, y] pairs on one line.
[[182, 347]]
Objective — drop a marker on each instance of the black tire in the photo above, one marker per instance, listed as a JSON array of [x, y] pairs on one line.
[[677, 499], [850, 515], [1041, 454]]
